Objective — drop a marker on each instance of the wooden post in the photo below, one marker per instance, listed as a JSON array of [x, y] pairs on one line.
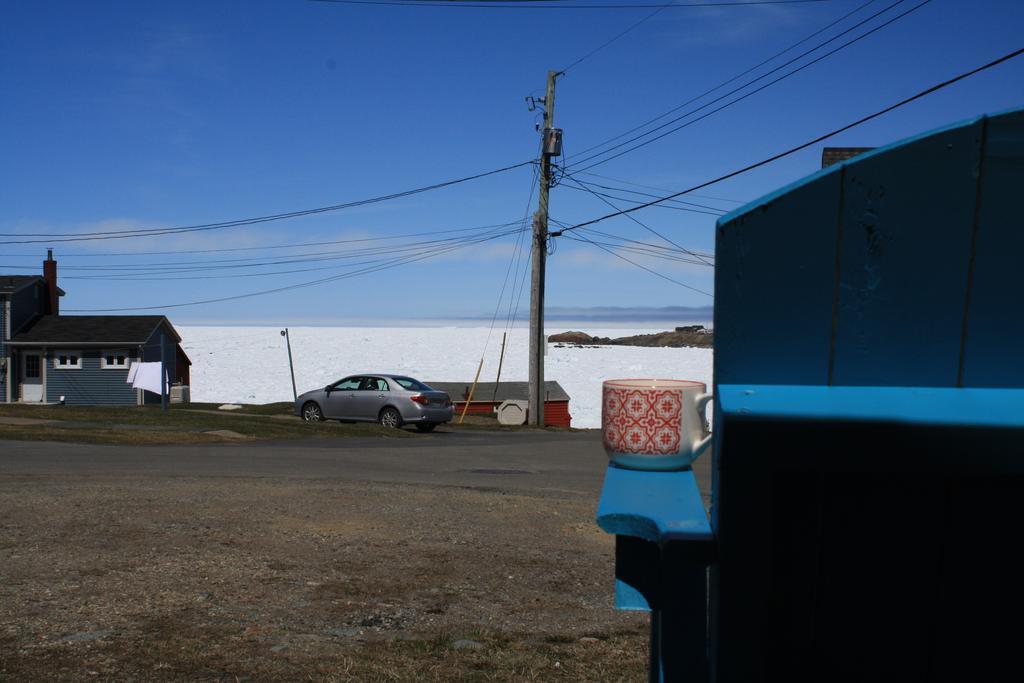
[[472, 389], [501, 359], [291, 366]]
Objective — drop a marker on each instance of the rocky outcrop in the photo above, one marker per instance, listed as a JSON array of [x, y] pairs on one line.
[[691, 335], [571, 338]]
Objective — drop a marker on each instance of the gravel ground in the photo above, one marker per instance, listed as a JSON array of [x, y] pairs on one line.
[[246, 579]]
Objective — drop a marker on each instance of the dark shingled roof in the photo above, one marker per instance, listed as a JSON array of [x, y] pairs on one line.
[[506, 390], [833, 155], [12, 283], [93, 329]]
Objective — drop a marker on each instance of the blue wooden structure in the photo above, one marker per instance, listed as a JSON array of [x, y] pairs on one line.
[[868, 466]]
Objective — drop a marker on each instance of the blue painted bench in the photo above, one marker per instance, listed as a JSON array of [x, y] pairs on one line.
[[868, 466]]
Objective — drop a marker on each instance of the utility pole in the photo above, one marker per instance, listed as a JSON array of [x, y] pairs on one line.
[[551, 147]]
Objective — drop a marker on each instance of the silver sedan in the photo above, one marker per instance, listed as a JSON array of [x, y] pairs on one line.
[[391, 400]]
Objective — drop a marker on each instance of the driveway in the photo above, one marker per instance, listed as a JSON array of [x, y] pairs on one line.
[[526, 460]]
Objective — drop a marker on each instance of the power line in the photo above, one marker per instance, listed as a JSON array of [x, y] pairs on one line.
[[642, 267], [650, 253], [155, 277], [527, 262], [149, 275], [625, 244], [249, 262], [639, 201], [710, 210], [296, 245], [514, 258], [742, 97], [513, 312], [190, 273], [638, 222], [734, 78], [640, 243], [521, 247], [820, 138], [660, 189], [393, 263], [616, 37], [150, 232]]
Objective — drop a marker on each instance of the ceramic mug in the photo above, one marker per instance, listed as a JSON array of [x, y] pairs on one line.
[[654, 424]]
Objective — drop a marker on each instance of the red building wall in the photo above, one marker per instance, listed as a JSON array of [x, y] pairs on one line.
[[556, 413]]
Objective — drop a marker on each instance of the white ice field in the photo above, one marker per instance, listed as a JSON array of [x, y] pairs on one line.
[[250, 364]]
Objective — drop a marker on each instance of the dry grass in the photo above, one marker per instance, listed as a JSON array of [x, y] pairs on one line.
[[171, 579], [194, 423], [199, 655]]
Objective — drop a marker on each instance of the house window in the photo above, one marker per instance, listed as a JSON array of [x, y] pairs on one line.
[[67, 360], [114, 360]]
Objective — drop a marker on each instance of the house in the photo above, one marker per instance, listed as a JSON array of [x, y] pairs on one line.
[[486, 398], [46, 357]]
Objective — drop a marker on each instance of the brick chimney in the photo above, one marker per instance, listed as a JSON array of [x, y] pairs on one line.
[[50, 275], [833, 155]]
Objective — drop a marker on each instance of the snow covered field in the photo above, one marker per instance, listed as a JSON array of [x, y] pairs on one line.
[[250, 364]]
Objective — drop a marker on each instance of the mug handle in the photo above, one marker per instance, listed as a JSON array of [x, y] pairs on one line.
[[701, 404]]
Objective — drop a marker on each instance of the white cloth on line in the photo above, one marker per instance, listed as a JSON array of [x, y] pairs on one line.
[[148, 377], [131, 373]]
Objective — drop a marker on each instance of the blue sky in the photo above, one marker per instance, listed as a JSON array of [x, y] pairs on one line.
[[124, 115]]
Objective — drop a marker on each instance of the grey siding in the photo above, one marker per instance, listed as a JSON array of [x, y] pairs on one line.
[[3, 348], [92, 385], [26, 304]]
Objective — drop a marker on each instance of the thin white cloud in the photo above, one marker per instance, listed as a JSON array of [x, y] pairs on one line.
[[727, 26]]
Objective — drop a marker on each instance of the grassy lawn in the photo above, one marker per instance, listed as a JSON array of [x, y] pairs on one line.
[[185, 424], [281, 408], [197, 423], [471, 421]]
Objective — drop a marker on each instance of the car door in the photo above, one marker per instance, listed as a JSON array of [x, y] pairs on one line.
[[371, 397], [340, 398]]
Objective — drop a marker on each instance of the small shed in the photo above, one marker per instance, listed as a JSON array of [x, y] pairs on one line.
[[489, 395]]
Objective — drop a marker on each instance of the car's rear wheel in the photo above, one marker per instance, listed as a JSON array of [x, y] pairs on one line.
[[426, 426], [389, 417], [311, 412]]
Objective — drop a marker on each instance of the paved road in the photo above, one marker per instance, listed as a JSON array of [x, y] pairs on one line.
[[538, 461]]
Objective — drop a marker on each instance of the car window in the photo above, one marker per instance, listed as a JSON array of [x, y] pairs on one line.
[[374, 384], [347, 384], [409, 384]]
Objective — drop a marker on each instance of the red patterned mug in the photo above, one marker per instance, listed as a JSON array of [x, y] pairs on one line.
[[654, 424]]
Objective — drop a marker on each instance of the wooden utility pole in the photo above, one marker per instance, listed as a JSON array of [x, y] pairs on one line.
[[551, 146]]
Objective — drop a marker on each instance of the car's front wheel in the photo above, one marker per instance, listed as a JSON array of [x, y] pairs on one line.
[[426, 426], [389, 417], [311, 412]]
